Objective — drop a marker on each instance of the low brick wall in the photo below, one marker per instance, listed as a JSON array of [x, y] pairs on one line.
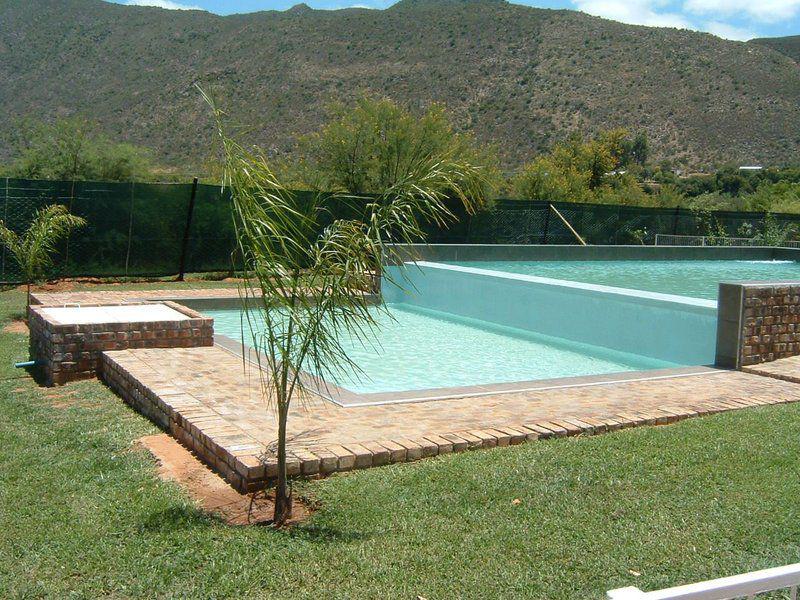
[[73, 351], [757, 323], [220, 445]]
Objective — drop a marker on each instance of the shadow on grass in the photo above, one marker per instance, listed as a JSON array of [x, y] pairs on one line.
[[175, 518], [36, 373], [323, 534]]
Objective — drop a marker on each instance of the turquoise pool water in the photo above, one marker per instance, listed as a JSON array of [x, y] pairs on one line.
[[423, 349], [693, 278]]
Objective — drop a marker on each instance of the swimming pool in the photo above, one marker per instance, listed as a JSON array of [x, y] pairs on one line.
[[450, 327], [692, 278], [418, 349]]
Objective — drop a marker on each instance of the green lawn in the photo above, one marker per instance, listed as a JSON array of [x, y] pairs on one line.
[[83, 513]]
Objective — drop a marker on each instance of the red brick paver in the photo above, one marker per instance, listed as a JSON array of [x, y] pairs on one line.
[[122, 296], [787, 369], [212, 402]]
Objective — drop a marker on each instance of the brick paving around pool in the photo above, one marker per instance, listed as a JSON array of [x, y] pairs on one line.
[[786, 369], [121, 296], [211, 401]]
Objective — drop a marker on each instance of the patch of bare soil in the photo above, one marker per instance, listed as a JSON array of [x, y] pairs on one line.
[[65, 397], [209, 490], [61, 285], [16, 326], [73, 283]]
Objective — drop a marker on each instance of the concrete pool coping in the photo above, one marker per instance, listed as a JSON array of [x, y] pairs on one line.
[[347, 398], [558, 252]]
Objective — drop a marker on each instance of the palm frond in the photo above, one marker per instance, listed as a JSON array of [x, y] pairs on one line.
[[34, 249], [308, 280]]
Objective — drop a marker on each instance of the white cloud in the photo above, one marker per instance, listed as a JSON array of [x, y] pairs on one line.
[[666, 13], [729, 32], [168, 4], [635, 12], [768, 11]]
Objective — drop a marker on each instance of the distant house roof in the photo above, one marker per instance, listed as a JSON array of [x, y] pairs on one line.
[[751, 168]]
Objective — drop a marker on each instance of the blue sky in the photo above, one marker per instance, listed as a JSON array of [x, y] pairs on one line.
[[732, 19]]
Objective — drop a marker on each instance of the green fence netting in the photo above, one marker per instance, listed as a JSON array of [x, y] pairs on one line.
[[139, 229]]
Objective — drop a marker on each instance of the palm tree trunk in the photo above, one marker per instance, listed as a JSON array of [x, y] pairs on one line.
[[283, 493]]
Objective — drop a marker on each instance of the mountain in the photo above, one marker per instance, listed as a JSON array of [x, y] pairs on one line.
[[790, 45], [516, 76]]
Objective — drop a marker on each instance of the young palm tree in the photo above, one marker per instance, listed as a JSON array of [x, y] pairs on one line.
[[307, 281], [34, 249]]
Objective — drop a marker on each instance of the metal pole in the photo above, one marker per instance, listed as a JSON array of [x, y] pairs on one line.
[[189, 213], [575, 233]]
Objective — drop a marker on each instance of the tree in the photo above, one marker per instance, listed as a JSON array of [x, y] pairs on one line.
[[34, 249], [774, 233], [54, 151], [639, 149], [308, 279], [545, 179], [71, 149], [375, 144], [605, 168]]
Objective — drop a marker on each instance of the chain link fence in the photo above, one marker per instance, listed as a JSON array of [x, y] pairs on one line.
[[149, 229], [133, 229], [533, 222]]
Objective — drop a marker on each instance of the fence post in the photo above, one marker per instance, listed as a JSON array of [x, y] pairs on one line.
[[5, 222], [185, 246]]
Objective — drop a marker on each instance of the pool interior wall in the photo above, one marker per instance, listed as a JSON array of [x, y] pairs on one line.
[[674, 329]]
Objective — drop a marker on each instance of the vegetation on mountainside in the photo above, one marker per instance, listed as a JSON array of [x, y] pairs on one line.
[[768, 190], [601, 169], [789, 45], [516, 77], [612, 168], [72, 149], [376, 144]]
